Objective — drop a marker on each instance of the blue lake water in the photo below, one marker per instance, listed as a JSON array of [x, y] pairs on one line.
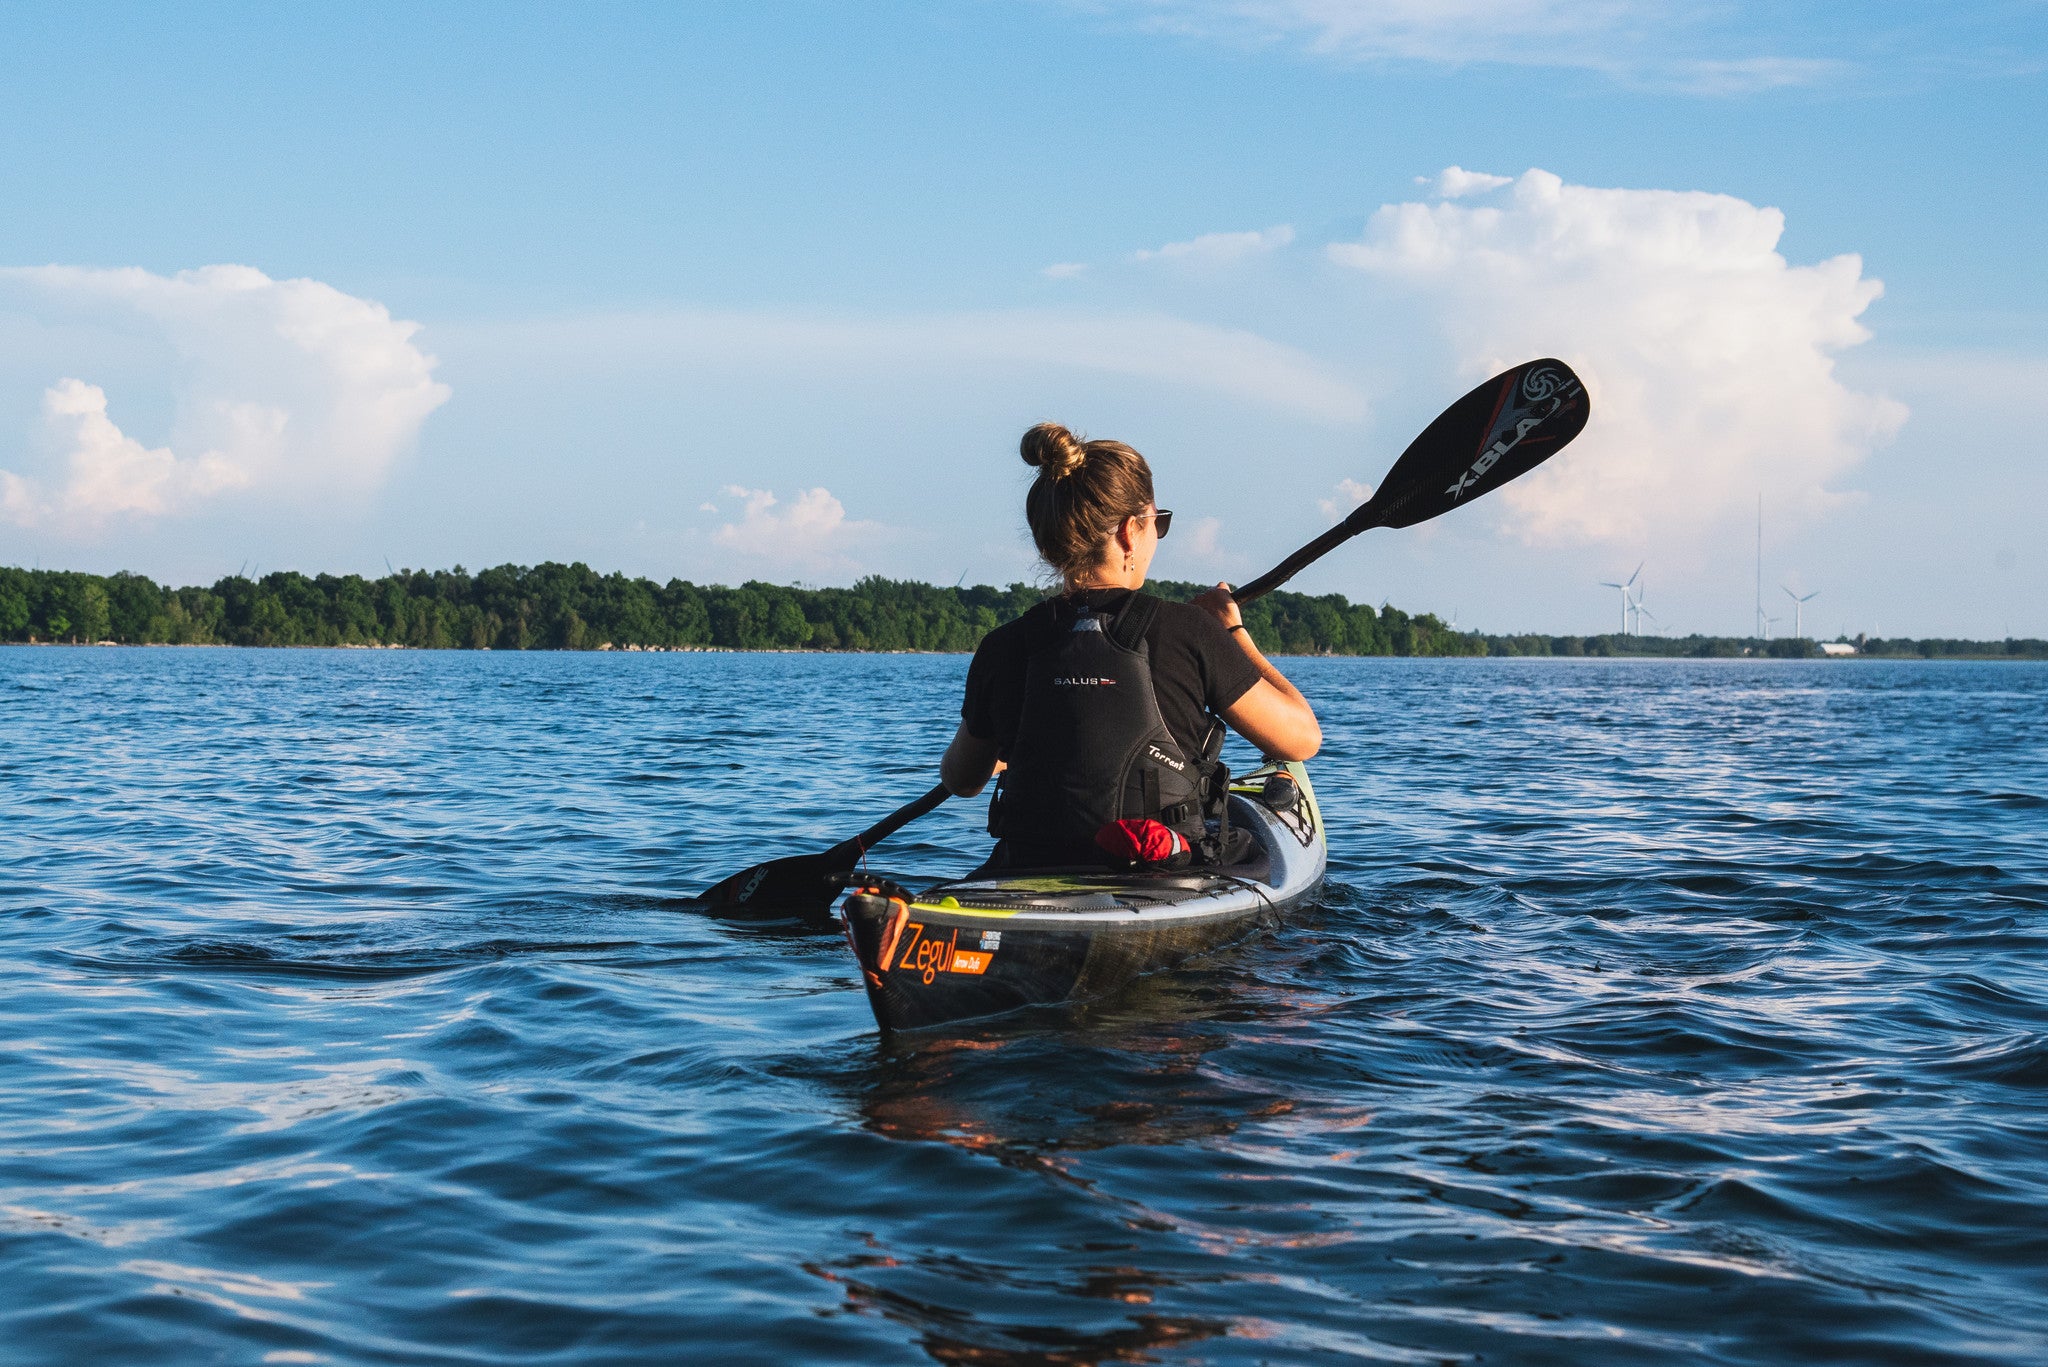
[[355, 1010]]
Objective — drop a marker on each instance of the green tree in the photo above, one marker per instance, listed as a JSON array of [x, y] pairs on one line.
[[135, 609], [560, 606], [14, 605]]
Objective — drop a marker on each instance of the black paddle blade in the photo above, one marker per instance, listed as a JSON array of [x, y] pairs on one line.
[[1500, 431], [802, 884], [808, 883], [1506, 427]]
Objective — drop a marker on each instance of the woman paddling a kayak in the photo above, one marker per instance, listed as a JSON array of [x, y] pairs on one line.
[[1090, 700], [1102, 708]]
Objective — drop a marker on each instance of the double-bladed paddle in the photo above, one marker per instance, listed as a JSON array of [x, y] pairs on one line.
[[1501, 430]]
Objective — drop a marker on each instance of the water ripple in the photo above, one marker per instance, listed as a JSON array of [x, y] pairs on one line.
[[356, 1010]]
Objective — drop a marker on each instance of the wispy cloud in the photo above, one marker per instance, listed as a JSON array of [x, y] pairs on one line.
[[1686, 45], [1198, 551], [1065, 270], [1172, 352], [1205, 537], [1220, 249], [1748, 75], [1455, 182], [276, 385]]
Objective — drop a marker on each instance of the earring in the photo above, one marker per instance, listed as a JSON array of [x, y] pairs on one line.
[[1129, 564]]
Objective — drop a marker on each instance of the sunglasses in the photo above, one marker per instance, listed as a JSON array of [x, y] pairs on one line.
[[1162, 521]]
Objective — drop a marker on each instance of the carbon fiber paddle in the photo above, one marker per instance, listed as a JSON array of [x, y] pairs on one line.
[[806, 884], [1498, 432]]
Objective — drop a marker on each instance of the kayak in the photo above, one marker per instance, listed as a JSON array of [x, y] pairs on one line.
[[983, 946]]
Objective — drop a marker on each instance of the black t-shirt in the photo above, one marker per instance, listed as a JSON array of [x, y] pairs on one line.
[[1196, 669]]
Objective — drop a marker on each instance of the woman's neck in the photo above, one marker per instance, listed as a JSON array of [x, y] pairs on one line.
[[1102, 578]]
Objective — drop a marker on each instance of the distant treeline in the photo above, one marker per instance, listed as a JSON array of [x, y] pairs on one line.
[[572, 607]]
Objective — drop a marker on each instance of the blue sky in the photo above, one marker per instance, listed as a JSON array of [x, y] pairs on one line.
[[770, 290]]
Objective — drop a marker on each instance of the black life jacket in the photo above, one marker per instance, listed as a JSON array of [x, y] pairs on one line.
[[1091, 746]]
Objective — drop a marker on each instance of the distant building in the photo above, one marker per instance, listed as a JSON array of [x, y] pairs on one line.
[[1837, 648]]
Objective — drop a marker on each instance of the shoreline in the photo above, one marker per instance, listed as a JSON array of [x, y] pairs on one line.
[[610, 649], [553, 606]]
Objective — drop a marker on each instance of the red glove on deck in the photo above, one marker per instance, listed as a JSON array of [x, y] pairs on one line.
[[1144, 842]]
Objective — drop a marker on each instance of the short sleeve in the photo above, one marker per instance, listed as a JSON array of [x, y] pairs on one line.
[[1227, 673], [1197, 670], [977, 711], [994, 677]]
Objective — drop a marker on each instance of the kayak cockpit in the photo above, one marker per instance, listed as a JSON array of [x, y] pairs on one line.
[[995, 942]]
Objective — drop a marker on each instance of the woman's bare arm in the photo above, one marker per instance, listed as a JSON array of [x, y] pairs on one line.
[[1272, 714], [968, 763]]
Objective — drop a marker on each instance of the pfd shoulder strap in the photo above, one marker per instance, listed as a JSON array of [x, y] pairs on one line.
[[1134, 621], [1048, 621]]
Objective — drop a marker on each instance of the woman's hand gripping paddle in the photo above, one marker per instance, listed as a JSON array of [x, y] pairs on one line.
[[1501, 430], [1504, 428], [807, 884]]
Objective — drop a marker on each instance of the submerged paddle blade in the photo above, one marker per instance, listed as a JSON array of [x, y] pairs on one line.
[[1500, 431], [801, 883], [810, 882]]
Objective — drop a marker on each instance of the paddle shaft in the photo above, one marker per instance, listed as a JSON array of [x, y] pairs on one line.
[[811, 881], [1301, 560], [895, 821]]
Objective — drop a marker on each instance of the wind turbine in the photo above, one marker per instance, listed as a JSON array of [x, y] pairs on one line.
[[1638, 600], [1763, 628], [1626, 603], [1799, 610], [1642, 611]]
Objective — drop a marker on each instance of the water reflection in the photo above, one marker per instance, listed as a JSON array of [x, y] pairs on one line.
[[1050, 1096], [949, 1334]]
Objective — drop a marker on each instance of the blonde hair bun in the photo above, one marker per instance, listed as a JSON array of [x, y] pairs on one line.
[[1054, 451]]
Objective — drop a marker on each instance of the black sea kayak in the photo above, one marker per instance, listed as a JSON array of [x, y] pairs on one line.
[[983, 946]]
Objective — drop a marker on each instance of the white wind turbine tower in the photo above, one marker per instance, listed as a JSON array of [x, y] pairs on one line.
[[1640, 609], [1799, 610], [1627, 604], [1763, 628]]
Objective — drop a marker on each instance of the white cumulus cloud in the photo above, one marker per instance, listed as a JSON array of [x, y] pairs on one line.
[[811, 533], [1221, 249], [107, 472], [1710, 358], [286, 385]]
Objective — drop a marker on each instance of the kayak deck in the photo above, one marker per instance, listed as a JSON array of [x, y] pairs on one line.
[[976, 947]]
